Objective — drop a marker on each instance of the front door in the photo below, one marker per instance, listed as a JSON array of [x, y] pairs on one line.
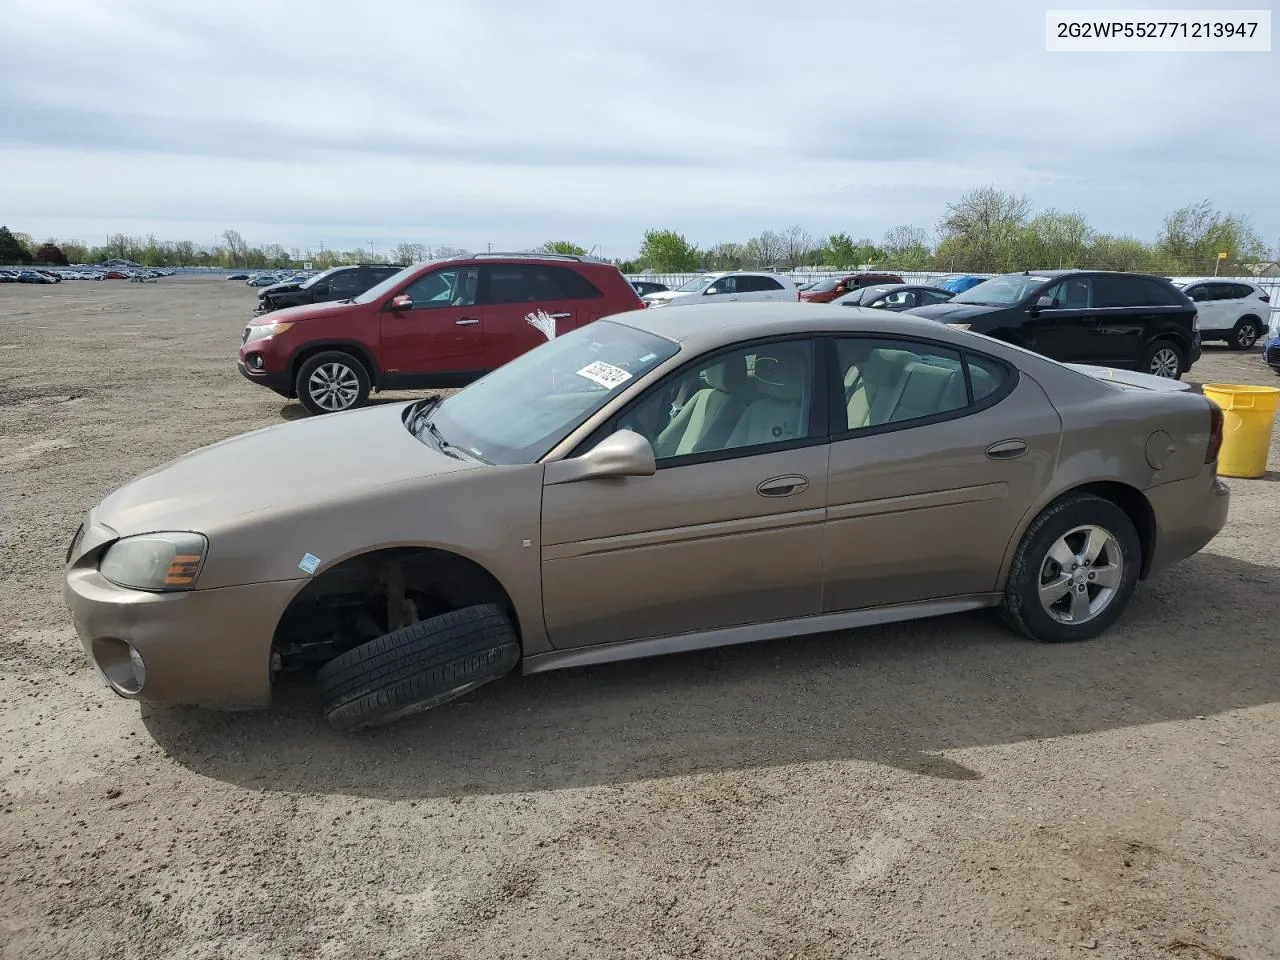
[[727, 532], [440, 337], [524, 306], [1067, 329], [931, 472]]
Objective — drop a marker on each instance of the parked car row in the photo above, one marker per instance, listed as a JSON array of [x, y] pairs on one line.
[[336, 283], [58, 274]]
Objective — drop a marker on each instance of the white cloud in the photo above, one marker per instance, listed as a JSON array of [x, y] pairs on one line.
[[593, 120]]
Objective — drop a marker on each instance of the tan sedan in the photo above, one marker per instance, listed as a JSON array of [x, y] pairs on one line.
[[659, 481]]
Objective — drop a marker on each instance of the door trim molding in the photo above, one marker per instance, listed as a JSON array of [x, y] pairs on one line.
[[701, 531], [919, 501], [755, 632]]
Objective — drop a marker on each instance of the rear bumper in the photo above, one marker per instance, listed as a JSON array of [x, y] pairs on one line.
[[1195, 348], [1189, 513]]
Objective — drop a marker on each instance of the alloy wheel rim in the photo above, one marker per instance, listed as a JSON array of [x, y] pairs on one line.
[[1164, 363], [1080, 574], [333, 386], [1247, 335]]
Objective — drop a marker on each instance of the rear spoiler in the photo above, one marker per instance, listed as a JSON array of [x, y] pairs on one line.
[[1130, 378]]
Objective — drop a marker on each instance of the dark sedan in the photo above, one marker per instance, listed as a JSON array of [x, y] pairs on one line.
[[895, 296]]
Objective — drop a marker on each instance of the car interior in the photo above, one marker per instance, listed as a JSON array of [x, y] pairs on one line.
[[884, 385]]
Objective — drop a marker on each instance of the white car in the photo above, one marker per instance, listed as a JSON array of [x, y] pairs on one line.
[[1230, 310], [726, 286]]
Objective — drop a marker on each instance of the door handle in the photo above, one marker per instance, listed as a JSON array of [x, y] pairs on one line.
[[783, 486], [466, 321], [1007, 449]]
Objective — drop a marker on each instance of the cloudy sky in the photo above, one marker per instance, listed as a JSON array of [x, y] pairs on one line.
[[513, 123]]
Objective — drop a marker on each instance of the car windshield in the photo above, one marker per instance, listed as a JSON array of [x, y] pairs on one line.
[[378, 290], [696, 285], [823, 286], [520, 411], [1001, 291]]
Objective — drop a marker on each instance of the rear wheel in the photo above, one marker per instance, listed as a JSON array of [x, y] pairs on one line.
[[421, 666], [1075, 571], [1164, 358], [331, 382], [1246, 333]]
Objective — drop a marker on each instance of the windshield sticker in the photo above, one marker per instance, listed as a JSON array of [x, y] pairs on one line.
[[647, 357], [544, 322], [605, 374], [309, 563]]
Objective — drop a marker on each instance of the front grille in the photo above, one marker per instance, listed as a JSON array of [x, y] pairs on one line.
[[1272, 353]]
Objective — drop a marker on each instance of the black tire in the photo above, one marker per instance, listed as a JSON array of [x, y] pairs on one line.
[[1246, 333], [1164, 355], [419, 667], [346, 377], [1022, 609]]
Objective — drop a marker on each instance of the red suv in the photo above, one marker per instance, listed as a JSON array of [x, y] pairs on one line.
[[824, 291], [439, 324]]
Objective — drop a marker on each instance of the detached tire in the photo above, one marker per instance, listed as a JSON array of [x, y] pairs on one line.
[[331, 382], [419, 667], [1074, 571]]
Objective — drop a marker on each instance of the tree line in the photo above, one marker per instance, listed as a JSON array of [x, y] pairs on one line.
[[985, 231]]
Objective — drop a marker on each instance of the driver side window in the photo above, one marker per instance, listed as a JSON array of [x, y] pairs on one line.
[[723, 285], [756, 396], [445, 288], [1073, 294]]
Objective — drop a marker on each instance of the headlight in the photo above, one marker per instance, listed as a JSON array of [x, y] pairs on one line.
[[263, 330], [155, 561]]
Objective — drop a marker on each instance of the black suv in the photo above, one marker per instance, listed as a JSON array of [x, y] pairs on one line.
[[1125, 320], [336, 283]]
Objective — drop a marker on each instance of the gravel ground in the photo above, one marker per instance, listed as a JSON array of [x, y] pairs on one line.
[[938, 789]]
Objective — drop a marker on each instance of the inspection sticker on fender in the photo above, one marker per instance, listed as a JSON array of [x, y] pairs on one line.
[[309, 563], [605, 374]]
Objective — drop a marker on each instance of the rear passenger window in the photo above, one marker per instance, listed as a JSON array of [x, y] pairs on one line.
[[760, 284], [1118, 291], [1160, 294], [1241, 291], [888, 381], [574, 284], [985, 376]]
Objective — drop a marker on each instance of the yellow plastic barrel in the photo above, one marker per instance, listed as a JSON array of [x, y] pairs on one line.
[[1249, 413]]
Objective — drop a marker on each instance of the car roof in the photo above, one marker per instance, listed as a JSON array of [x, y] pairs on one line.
[[708, 326]]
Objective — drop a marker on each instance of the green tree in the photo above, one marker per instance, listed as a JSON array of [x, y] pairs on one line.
[[668, 252], [11, 251], [725, 256], [1191, 238], [838, 250], [52, 255], [564, 248], [982, 230], [907, 248]]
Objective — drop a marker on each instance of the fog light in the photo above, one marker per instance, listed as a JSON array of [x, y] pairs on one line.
[[139, 666], [255, 361]]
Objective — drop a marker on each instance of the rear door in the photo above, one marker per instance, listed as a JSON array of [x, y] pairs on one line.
[[936, 455], [523, 306], [1211, 305], [439, 339], [1127, 319]]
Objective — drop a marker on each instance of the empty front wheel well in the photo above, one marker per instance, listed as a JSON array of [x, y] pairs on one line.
[[366, 596], [1135, 505]]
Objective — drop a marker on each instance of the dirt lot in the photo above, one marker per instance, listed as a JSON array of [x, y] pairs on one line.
[[939, 789]]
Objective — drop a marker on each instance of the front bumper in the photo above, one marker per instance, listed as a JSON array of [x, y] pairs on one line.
[[1189, 513], [273, 380], [206, 647], [1271, 353]]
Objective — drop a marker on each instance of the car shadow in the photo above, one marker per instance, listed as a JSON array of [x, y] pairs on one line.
[[1195, 641]]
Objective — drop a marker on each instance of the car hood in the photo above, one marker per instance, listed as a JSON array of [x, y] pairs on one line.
[[951, 312], [280, 288], [302, 311], [321, 459]]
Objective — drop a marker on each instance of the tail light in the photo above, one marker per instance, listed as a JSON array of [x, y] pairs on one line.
[[1195, 321], [1215, 432]]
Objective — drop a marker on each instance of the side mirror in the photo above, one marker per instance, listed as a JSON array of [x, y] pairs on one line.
[[402, 302], [622, 454], [1042, 303]]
